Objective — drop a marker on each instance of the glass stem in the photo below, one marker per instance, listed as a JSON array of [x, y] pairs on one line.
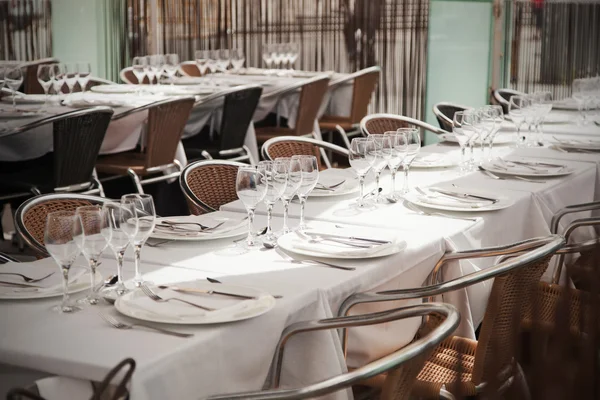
[[393, 173], [269, 232], [361, 185], [250, 237], [14, 99], [120, 284], [137, 279], [65, 283], [405, 169], [377, 185], [491, 144], [286, 206], [302, 203], [93, 297]]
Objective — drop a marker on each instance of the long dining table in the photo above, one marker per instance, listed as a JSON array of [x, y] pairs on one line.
[[223, 358]]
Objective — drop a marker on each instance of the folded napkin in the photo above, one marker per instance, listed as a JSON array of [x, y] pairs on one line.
[[62, 387], [36, 269], [329, 249]]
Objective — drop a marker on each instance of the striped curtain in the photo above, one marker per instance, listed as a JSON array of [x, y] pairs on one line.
[[25, 29], [340, 35]]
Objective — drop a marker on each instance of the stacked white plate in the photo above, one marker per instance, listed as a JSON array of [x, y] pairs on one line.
[[335, 182], [458, 199], [433, 160]]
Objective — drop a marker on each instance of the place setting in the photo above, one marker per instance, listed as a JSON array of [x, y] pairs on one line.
[[335, 182], [576, 145], [525, 167], [457, 198]]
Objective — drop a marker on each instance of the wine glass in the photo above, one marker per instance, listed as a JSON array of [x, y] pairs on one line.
[[497, 113], [517, 111], [277, 54], [140, 227], [395, 159], [362, 158], [58, 79], [294, 180], [223, 60], [83, 71], [267, 55], [201, 57], [149, 70], [580, 91], [44, 77], [410, 143], [294, 53], [383, 153], [13, 79], [487, 123], [171, 65], [92, 237], [237, 59], [62, 247], [70, 77], [471, 127], [118, 217], [276, 176], [310, 176], [213, 58], [462, 136], [251, 187], [542, 102], [156, 63], [139, 67]]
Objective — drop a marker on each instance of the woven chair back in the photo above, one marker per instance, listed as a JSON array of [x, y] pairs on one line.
[[380, 126], [364, 86], [238, 110], [166, 122], [446, 115], [311, 98], [77, 142], [189, 69], [293, 148]]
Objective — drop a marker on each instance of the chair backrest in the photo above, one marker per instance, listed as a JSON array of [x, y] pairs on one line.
[[166, 121], [77, 142], [444, 113], [311, 97], [287, 146], [381, 123], [189, 68], [30, 217], [127, 76], [365, 82], [30, 81], [502, 97], [208, 184], [238, 110]]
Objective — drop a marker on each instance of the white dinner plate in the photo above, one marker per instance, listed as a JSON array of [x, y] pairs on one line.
[[569, 104], [137, 305], [433, 160], [79, 284], [26, 99], [293, 243], [578, 144], [499, 139], [10, 114], [232, 227], [441, 202], [552, 119], [532, 171], [117, 88]]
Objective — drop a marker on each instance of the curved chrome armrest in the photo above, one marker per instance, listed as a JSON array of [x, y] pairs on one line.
[[4, 258], [595, 205], [577, 247]]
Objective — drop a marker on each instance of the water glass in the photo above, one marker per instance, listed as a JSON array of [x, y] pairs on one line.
[[62, 247], [139, 67], [83, 72], [517, 110], [276, 177], [171, 66], [463, 136], [138, 228], [118, 218], [362, 158], [44, 77], [395, 158], [294, 180], [383, 153], [212, 63], [202, 57], [13, 79], [409, 142], [309, 167], [237, 59], [497, 113], [251, 187], [581, 90]]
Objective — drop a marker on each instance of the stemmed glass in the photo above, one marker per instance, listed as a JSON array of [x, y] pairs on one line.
[[237, 59], [139, 67], [60, 244], [223, 60], [410, 140], [580, 91], [487, 122], [58, 79], [310, 176], [140, 227], [497, 114], [517, 111], [70, 78], [171, 65], [149, 70], [213, 58], [44, 77], [251, 187], [118, 217], [156, 63], [92, 237], [463, 136], [83, 71], [471, 126], [267, 55], [383, 153], [362, 158], [201, 57], [395, 159], [294, 180], [294, 49], [13, 78], [542, 102], [276, 176]]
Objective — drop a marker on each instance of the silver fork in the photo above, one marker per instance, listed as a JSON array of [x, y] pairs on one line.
[[121, 325], [27, 278], [153, 296], [311, 262], [411, 207], [494, 176], [321, 186], [203, 228], [319, 239]]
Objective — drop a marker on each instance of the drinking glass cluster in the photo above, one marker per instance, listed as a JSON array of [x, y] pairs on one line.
[[280, 55], [220, 60], [530, 110], [586, 92], [154, 68]]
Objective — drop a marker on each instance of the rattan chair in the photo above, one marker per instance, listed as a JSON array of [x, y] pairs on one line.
[[189, 68], [365, 82], [30, 81], [468, 367], [209, 184], [5, 258], [381, 123], [77, 138], [30, 217], [166, 121], [403, 364], [127, 76], [102, 390], [312, 94], [502, 97], [238, 108], [287, 146], [444, 113]]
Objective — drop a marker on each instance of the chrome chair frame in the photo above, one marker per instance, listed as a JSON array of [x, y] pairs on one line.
[[319, 143], [4, 258], [400, 118], [346, 380], [29, 203]]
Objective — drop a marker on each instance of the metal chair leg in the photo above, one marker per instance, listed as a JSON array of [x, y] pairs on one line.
[[136, 180]]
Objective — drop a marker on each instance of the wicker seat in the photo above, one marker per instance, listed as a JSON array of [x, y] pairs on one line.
[[381, 123], [30, 81], [287, 146], [209, 184], [467, 367], [502, 97], [189, 68], [444, 113], [403, 365], [166, 121], [30, 217], [312, 94]]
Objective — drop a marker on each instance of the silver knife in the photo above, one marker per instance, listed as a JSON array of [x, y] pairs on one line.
[[331, 235], [537, 163], [206, 291], [26, 285], [462, 195]]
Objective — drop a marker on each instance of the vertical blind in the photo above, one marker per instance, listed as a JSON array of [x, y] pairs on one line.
[[25, 29], [340, 35]]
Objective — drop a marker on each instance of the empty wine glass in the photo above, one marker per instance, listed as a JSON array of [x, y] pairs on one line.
[[383, 153], [294, 49], [58, 79], [395, 159], [517, 111], [542, 102], [410, 143], [251, 187], [70, 77], [212, 61], [237, 59], [462, 136], [223, 60], [580, 90], [310, 176], [84, 71], [294, 180], [487, 122], [139, 67], [276, 176], [92, 239], [202, 57], [277, 54], [62, 247], [171, 66], [140, 227], [118, 217], [267, 55], [156, 63], [362, 158], [471, 126], [497, 114], [149, 70], [44, 77], [13, 79]]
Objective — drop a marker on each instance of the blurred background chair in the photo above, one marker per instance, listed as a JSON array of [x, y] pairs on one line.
[[444, 113], [381, 123], [287, 146], [31, 85], [502, 97]]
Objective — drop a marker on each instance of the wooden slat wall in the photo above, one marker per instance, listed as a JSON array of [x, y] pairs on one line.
[[25, 29]]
